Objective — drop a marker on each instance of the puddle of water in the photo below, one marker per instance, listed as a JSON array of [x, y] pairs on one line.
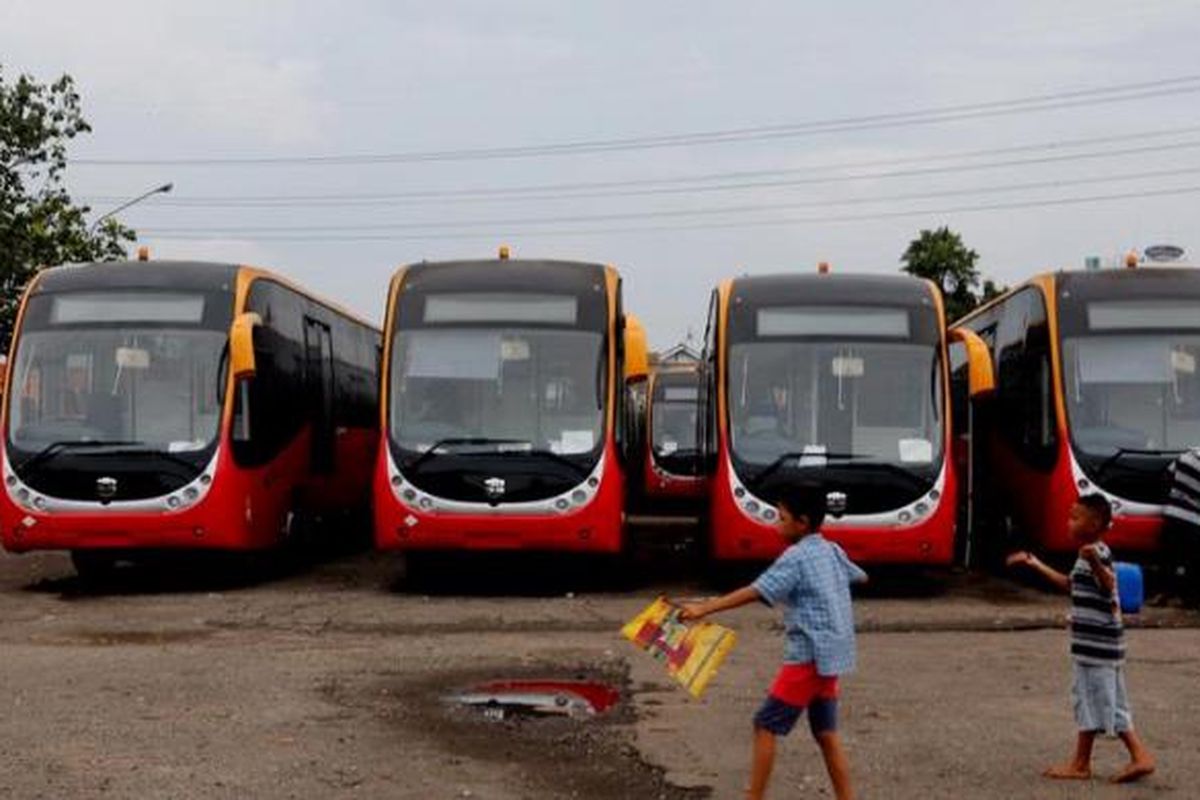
[[499, 700]]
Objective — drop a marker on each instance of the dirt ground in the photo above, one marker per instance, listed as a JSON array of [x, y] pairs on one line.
[[328, 680]]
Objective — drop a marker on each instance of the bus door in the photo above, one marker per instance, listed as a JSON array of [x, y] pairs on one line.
[[318, 347], [971, 381]]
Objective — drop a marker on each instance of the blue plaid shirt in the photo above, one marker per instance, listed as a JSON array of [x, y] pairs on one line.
[[811, 580]]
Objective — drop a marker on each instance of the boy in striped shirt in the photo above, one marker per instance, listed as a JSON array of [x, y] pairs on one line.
[[1097, 644]]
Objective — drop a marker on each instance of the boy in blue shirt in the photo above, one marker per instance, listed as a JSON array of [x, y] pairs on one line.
[[811, 580]]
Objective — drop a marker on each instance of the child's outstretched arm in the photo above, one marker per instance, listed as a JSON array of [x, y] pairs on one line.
[[738, 597], [1023, 558]]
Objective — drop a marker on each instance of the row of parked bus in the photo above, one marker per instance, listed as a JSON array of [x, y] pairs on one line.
[[508, 404]]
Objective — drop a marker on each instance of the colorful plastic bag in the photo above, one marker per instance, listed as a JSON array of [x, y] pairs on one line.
[[692, 651]]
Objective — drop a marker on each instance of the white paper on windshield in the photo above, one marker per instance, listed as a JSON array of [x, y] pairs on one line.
[[814, 456], [668, 447], [916, 451], [1183, 362], [574, 442], [468, 355], [185, 446], [1125, 361], [133, 358]]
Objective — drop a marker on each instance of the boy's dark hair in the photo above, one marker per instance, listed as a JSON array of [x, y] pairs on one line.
[[803, 500], [1098, 504]]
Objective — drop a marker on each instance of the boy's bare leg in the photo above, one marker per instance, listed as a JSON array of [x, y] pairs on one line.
[[1079, 768], [837, 764], [1141, 763], [760, 767]]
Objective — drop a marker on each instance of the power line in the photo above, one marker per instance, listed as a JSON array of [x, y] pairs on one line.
[[1119, 93], [384, 200], [685, 212], [777, 222]]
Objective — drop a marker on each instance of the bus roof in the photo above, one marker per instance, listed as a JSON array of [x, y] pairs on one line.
[[835, 287], [1095, 280], [496, 274], [194, 275], [141, 274]]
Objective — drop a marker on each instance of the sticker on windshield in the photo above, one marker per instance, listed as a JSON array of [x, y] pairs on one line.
[[916, 451], [185, 446], [574, 442]]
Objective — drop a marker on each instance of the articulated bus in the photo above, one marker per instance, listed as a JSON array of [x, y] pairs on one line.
[[671, 473], [175, 405], [839, 380], [503, 408], [1097, 390]]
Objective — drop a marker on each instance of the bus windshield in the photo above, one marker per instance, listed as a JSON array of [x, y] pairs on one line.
[[673, 420], [869, 401], [532, 389], [1133, 392], [153, 386]]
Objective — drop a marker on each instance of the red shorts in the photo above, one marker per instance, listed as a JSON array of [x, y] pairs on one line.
[[799, 684]]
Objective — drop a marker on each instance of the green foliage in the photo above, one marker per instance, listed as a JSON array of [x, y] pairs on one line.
[[942, 257], [39, 225]]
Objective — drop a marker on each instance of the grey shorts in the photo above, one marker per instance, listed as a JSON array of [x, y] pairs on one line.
[[1101, 704]]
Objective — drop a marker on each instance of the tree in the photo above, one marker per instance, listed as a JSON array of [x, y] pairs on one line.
[[39, 225], [942, 257]]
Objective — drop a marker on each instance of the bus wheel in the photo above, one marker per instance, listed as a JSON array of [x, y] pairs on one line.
[[93, 565]]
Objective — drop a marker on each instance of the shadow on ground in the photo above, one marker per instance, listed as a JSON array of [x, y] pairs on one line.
[[199, 571]]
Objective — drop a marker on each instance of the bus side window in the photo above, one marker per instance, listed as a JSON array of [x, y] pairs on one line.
[[960, 395], [1025, 389]]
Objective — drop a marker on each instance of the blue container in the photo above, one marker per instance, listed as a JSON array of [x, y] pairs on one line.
[[1131, 589]]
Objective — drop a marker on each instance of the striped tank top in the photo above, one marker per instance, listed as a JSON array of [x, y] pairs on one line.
[[1097, 632]]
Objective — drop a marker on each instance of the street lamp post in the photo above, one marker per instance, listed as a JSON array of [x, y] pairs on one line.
[[164, 189]]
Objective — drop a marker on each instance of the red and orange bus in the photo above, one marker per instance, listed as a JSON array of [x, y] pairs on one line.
[[671, 474], [836, 379], [171, 405], [1097, 390], [503, 408]]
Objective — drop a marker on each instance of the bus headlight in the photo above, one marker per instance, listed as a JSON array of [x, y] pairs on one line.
[[579, 495]]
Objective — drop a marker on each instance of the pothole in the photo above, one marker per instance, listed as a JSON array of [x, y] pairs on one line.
[[502, 699]]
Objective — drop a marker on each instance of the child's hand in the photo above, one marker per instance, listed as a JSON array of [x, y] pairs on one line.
[[1021, 558], [1089, 552], [690, 612]]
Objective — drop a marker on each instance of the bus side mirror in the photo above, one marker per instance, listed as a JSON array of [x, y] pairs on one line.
[[981, 378], [241, 345]]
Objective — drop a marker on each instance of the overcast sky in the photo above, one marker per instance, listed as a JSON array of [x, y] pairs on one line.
[[234, 79]]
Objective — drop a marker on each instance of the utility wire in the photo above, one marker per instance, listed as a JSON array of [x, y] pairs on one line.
[[1120, 93], [688, 212], [776, 222], [385, 200]]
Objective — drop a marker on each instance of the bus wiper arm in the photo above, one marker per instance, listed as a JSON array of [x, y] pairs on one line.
[[1131, 451], [557, 458], [462, 441], [774, 466], [54, 448], [871, 462]]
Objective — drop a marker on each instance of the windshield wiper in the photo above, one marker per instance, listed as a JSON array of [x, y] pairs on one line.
[[1130, 451], [112, 447], [464, 441], [122, 449], [859, 459], [558, 458], [54, 448]]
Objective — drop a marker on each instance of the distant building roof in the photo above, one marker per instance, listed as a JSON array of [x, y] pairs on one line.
[[681, 352]]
